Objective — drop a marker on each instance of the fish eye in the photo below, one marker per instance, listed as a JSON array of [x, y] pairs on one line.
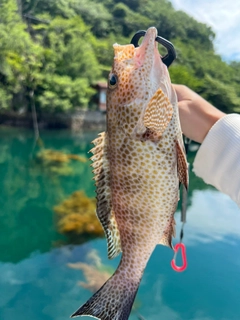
[[113, 81]]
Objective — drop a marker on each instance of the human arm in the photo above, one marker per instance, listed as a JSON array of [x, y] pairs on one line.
[[197, 115], [217, 161]]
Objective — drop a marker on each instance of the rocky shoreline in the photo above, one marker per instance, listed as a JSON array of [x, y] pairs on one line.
[[85, 119]]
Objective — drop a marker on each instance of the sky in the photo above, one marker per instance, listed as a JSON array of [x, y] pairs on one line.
[[224, 18]]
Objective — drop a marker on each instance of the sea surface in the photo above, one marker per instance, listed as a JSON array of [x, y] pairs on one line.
[[36, 282]]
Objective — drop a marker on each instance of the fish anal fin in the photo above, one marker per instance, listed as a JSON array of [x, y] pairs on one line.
[[182, 165], [113, 238], [158, 113], [104, 206], [170, 232]]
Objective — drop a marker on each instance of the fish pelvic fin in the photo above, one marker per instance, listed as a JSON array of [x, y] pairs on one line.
[[158, 113], [170, 232], [113, 301], [182, 165], [106, 216]]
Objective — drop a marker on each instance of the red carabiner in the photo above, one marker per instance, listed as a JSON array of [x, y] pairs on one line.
[[184, 258]]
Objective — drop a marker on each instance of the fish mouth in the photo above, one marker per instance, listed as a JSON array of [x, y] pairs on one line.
[[138, 55], [147, 53], [149, 39]]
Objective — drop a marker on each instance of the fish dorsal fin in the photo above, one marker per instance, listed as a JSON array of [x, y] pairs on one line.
[[182, 165], [105, 213], [170, 232], [158, 113]]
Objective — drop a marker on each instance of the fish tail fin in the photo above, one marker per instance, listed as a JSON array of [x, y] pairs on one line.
[[113, 301]]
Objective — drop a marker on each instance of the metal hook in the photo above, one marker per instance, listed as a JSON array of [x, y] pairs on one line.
[[169, 57]]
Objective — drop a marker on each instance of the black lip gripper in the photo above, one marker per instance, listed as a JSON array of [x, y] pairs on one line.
[[169, 57]]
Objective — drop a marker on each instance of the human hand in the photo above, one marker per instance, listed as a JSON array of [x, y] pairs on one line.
[[197, 116]]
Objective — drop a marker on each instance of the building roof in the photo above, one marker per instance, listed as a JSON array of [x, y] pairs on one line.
[[102, 85]]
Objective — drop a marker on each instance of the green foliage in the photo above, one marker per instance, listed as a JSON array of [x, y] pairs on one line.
[[221, 94], [61, 93], [5, 99], [58, 49], [70, 65], [20, 57], [55, 8], [71, 45], [94, 14], [183, 75], [126, 21]]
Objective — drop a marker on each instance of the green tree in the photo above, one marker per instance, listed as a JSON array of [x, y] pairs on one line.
[[20, 57], [70, 65], [222, 95], [52, 51]]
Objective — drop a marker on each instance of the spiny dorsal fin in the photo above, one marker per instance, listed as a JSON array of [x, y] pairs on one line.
[[158, 113], [182, 165], [104, 206], [170, 232]]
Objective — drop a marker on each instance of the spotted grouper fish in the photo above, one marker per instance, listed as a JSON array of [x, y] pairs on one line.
[[138, 163]]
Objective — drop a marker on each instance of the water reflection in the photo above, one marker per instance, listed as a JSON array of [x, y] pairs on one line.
[[28, 193], [44, 287], [212, 217], [35, 278]]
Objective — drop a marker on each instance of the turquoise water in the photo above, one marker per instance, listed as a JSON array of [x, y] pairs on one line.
[[35, 280]]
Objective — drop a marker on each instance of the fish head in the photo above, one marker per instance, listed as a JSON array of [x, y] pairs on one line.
[[136, 75]]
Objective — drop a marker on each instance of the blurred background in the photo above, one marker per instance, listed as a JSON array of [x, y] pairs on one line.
[[54, 60]]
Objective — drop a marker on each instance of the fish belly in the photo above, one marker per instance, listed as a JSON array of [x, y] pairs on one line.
[[144, 192]]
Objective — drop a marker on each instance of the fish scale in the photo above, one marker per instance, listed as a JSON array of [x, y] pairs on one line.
[[138, 164]]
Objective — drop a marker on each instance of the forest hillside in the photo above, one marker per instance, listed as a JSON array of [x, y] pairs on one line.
[[52, 52]]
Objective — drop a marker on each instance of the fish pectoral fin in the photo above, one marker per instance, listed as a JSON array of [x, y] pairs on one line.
[[182, 165], [170, 232], [104, 206], [158, 113]]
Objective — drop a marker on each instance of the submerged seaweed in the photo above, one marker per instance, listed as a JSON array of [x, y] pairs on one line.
[[58, 162], [76, 216]]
